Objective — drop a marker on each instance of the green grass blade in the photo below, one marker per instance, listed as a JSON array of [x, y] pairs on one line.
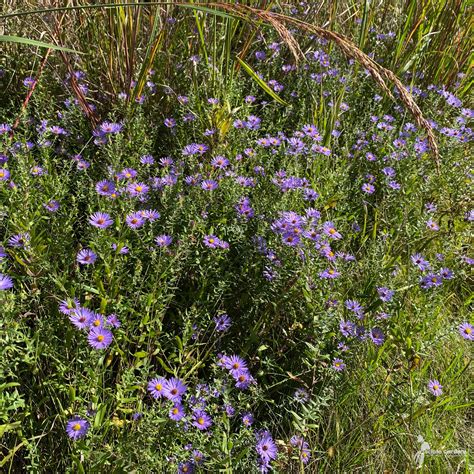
[[32, 42], [261, 82]]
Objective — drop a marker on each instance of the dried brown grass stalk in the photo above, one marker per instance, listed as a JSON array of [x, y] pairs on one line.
[[380, 74]]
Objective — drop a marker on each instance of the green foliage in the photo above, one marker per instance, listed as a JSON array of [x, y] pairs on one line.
[[286, 316]]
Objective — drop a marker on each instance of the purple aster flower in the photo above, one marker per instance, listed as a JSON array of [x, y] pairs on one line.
[[176, 412], [96, 321], [330, 230], [174, 389], [247, 419], [135, 220], [385, 294], [431, 280], [77, 428], [163, 240], [223, 322], [105, 187], [37, 171], [420, 262], [243, 378], [253, 122], [220, 162], [291, 239], [230, 410], [100, 338], [147, 160], [86, 257], [170, 122], [432, 225], [266, 448], [5, 128], [110, 127], [128, 173], [201, 420], [234, 363], [4, 174], [19, 240], [101, 220], [368, 188], [198, 457], [112, 320], [338, 365], [186, 467], [123, 250], [6, 283], [329, 273], [435, 388], [51, 206], [68, 305], [347, 328], [29, 82], [211, 241], [137, 189], [209, 184], [467, 331], [81, 317], [151, 215], [446, 274], [354, 306], [377, 336], [156, 387]]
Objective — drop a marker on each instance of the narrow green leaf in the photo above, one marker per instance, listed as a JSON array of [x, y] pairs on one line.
[[261, 82], [39, 44]]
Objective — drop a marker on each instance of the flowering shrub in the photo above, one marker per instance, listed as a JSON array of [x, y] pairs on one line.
[[217, 283]]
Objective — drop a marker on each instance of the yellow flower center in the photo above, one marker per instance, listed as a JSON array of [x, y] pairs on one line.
[[468, 330], [159, 387], [100, 338], [331, 272], [332, 231], [435, 387], [138, 188], [76, 427], [201, 420], [175, 411], [337, 364], [211, 241]]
